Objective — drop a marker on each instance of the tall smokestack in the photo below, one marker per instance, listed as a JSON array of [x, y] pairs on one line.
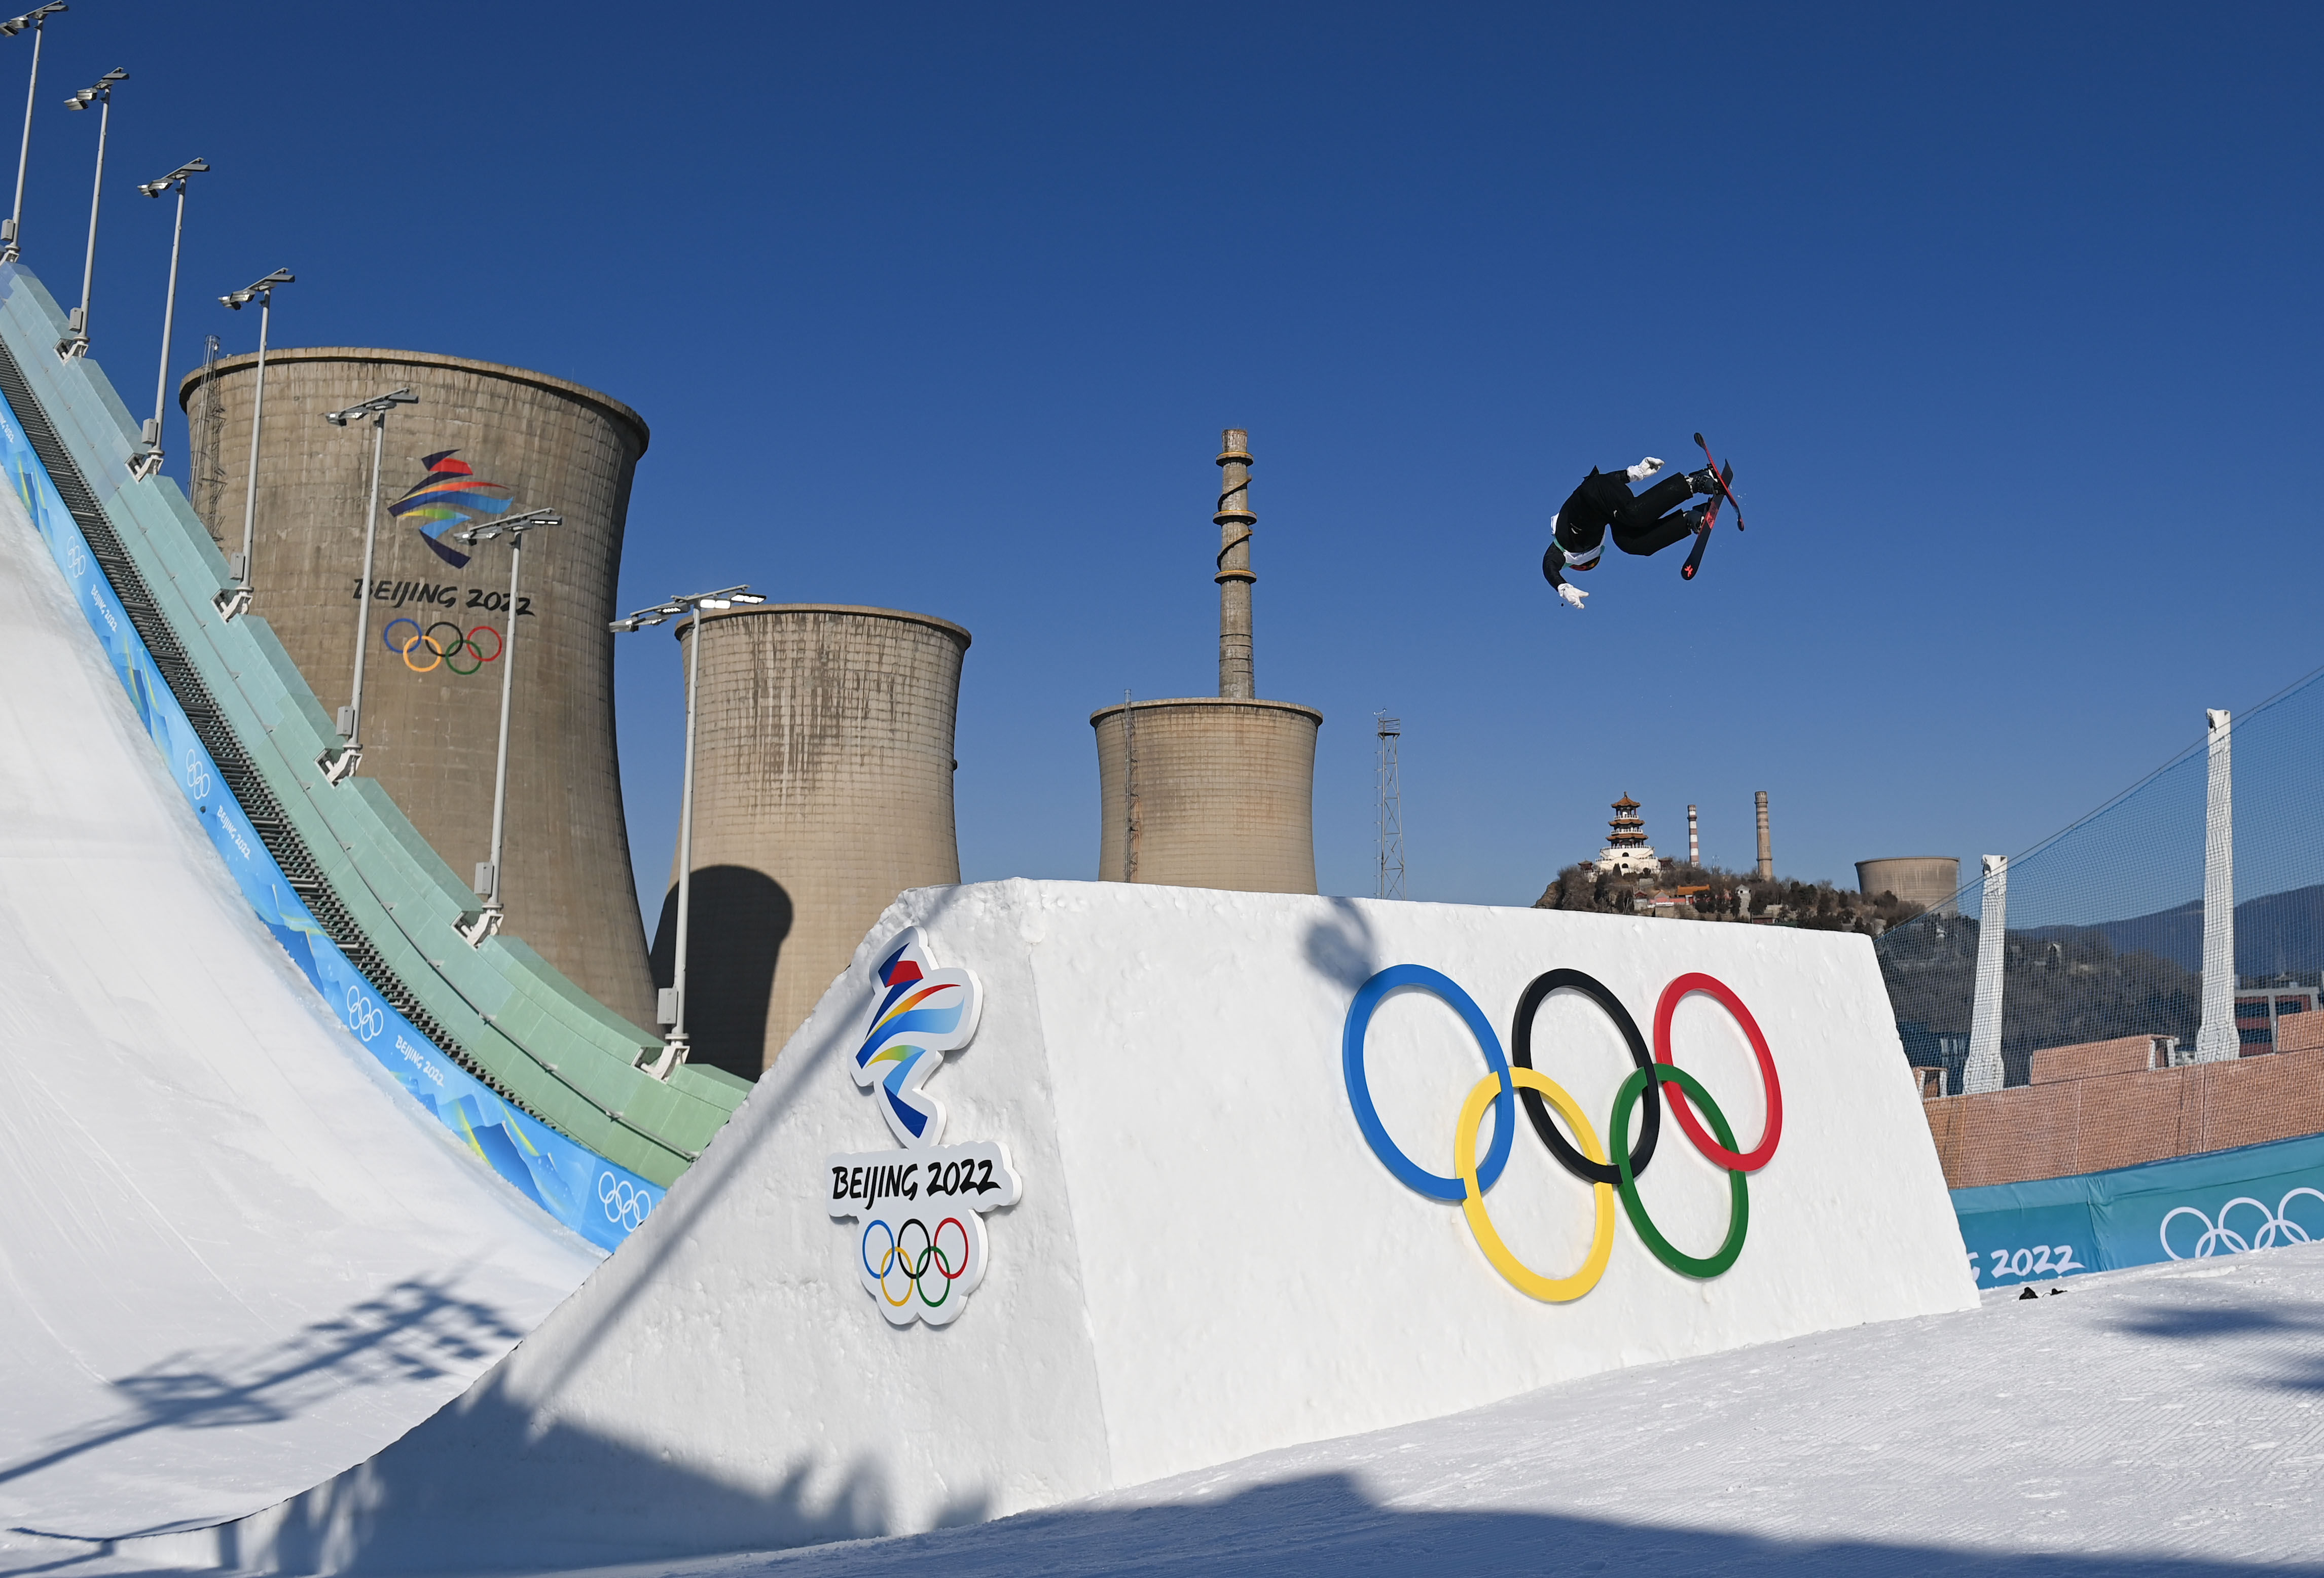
[[1237, 679], [1693, 840], [1766, 848]]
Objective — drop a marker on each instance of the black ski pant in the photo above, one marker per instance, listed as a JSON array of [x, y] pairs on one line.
[[1639, 525]]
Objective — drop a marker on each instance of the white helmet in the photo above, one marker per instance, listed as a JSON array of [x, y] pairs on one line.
[[1582, 559]]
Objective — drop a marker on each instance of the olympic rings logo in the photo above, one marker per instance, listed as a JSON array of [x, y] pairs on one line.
[[913, 1265], [198, 783], [365, 1017], [442, 652], [627, 1206], [2274, 1227], [1504, 1085]]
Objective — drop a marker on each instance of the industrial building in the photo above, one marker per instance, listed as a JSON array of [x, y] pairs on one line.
[[1213, 791], [482, 438], [823, 789], [1928, 880]]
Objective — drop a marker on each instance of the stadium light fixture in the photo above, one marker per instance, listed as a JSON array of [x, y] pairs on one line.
[[98, 93], [671, 1010], [337, 764], [234, 599], [148, 460], [488, 875], [36, 19]]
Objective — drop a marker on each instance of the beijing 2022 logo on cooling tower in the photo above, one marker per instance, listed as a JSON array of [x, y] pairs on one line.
[[1503, 1084], [451, 495], [922, 1249]]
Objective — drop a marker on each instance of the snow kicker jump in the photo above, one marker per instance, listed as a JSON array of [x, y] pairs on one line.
[[1070, 1186]]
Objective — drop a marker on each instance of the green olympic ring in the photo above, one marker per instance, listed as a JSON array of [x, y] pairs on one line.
[[1738, 1219]]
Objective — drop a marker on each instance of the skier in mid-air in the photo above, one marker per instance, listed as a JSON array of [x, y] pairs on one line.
[[1604, 500]]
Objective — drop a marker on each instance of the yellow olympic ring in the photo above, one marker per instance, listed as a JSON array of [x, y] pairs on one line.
[[415, 644], [1523, 1277]]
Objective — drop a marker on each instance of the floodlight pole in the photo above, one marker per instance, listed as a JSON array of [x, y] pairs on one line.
[[76, 340], [236, 599], [488, 883], [339, 765], [675, 1045], [148, 460], [677, 1038], [11, 232]]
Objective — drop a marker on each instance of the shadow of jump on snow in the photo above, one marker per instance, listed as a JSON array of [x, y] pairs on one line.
[[410, 1333]]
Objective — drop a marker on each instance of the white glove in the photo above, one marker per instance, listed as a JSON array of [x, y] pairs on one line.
[[1644, 469], [1573, 593]]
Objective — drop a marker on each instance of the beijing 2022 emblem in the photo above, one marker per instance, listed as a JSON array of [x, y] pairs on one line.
[[921, 1252]]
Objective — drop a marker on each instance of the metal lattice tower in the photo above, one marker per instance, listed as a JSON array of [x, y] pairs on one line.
[[1391, 810], [205, 425]]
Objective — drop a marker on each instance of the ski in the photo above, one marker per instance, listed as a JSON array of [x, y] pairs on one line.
[[1726, 475], [1710, 519]]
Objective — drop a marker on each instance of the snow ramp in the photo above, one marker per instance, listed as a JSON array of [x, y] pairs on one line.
[[237, 1257], [1067, 1186]]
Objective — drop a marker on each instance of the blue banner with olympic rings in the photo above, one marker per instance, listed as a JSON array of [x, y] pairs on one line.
[[599, 1199], [2187, 1208]]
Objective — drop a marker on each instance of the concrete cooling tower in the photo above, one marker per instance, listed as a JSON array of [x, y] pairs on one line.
[[823, 789], [482, 441], [1929, 880], [1209, 792], [1213, 791]]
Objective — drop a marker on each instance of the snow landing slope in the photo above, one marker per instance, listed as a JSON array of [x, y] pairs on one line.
[[235, 1259]]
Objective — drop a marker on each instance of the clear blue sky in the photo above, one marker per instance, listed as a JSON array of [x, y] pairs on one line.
[[2006, 315]]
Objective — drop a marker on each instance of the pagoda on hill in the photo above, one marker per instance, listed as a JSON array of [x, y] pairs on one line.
[[1626, 850]]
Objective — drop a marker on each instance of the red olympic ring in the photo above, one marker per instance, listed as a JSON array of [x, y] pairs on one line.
[[1772, 1131], [499, 644]]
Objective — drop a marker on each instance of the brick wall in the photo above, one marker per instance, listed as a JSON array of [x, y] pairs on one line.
[[2102, 1120]]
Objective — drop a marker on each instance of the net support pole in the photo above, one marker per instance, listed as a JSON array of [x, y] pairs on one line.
[[1983, 1071], [2217, 1041]]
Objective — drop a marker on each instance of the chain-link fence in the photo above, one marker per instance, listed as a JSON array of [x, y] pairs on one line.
[[2102, 1057]]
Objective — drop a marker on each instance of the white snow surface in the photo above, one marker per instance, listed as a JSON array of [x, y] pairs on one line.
[[235, 1259], [2165, 1422]]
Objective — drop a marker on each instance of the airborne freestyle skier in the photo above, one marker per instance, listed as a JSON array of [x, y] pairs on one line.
[[1604, 500]]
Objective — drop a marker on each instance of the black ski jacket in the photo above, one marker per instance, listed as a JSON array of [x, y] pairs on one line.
[[1583, 518]]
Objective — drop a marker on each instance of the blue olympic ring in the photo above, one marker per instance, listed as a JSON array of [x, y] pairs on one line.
[[1360, 1093]]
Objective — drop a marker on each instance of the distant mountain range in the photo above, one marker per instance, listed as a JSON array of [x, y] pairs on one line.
[[2275, 933]]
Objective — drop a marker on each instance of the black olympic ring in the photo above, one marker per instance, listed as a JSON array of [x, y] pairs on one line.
[[1521, 1056]]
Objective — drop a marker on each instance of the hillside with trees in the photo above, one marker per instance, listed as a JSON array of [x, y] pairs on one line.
[[1680, 891]]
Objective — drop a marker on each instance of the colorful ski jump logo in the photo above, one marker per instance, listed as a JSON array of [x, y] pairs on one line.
[[451, 495], [1504, 1084], [918, 1016], [922, 1251]]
